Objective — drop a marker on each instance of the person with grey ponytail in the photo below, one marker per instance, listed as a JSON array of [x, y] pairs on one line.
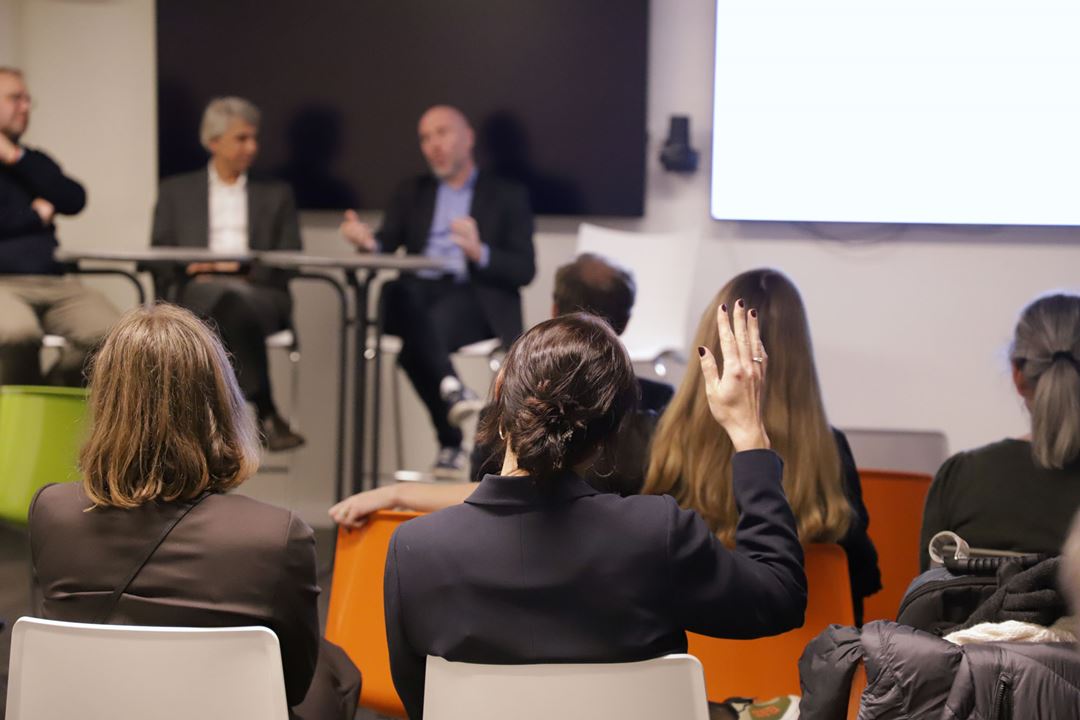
[[1020, 494]]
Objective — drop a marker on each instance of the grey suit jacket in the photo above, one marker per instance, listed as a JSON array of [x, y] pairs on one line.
[[232, 561], [182, 219]]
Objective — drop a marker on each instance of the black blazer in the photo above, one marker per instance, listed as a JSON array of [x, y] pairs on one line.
[[524, 573], [182, 219], [502, 214]]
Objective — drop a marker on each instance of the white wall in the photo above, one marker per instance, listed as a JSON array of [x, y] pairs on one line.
[[910, 323], [9, 32]]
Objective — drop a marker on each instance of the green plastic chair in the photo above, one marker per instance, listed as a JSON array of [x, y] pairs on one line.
[[41, 430]]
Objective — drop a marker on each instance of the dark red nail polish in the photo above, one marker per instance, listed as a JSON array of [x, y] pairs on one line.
[[701, 351], [753, 313], [739, 302], [723, 307]]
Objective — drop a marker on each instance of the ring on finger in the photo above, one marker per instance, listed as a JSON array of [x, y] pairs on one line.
[[758, 359]]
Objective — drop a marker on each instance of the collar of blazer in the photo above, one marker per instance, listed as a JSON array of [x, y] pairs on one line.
[[523, 491]]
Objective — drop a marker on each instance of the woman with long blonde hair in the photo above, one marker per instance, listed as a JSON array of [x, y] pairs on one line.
[[820, 478]]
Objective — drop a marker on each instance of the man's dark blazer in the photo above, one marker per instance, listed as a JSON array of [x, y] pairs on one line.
[[505, 221], [182, 219], [525, 572]]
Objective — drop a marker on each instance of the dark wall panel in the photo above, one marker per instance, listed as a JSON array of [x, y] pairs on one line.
[[555, 90]]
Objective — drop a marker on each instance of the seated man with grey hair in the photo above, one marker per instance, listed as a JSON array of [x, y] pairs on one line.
[[223, 208], [35, 297]]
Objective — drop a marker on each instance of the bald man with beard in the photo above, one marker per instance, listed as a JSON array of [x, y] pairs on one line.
[[482, 227]]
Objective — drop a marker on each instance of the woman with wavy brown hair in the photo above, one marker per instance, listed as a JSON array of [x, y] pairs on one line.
[[151, 536], [691, 463]]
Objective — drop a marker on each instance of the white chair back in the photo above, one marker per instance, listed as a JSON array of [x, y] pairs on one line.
[[671, 688], [664, 267], [917, 451], [62, 670]]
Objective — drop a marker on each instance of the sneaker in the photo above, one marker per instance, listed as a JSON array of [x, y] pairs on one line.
[[451, 462], [276, 434], [463, 402]]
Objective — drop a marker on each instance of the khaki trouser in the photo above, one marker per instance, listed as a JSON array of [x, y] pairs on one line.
[[35, 305]]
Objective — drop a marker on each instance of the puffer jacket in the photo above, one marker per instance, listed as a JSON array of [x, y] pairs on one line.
[[914, 674]]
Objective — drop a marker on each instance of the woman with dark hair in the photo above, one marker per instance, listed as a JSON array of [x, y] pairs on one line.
[[1020, 494], [170, 436], [537, 566]]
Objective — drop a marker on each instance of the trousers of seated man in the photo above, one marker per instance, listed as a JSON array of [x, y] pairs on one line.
[[32, 306]]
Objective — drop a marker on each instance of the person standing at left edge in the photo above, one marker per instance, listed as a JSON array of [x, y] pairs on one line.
[[223, 208]]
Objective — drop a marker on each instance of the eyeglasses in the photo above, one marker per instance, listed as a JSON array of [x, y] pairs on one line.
[[17, 98]]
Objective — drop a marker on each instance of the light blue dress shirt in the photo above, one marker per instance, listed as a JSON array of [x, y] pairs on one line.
[[451, 204]]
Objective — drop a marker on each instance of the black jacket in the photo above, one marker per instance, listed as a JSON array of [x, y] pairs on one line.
[[862, 555], [524, 573], [182, 219], [27, 244], [502, 214], [913, 674]]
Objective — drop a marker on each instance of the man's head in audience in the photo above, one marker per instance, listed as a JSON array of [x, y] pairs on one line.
[[446, 140], [595, 285], [229, 132], [14, 103]]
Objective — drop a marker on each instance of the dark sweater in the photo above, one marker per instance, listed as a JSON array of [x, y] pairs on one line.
[[27, 244], [996, 498]]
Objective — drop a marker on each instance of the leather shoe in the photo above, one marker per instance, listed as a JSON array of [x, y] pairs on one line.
[[277, 435]]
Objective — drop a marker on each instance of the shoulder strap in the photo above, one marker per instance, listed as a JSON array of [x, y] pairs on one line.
[[110, 602]]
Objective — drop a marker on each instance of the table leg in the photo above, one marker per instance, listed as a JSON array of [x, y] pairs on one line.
[[359, 282], [376, 390]]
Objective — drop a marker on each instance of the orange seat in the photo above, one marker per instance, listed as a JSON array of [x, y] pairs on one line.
[[767, 667], [895, 502], [356, 621], [858, 685]]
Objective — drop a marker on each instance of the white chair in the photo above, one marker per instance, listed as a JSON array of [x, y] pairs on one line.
[[670, 687], [664, 267], [917, 451], [285, 341], [62, 670]]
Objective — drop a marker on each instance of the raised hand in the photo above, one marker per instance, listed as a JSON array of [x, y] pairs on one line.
[[358, 233], [735, 396]]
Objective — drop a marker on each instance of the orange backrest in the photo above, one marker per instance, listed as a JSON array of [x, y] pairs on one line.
[[895, 502], [858, 684], [768, 667], [355, 621]]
